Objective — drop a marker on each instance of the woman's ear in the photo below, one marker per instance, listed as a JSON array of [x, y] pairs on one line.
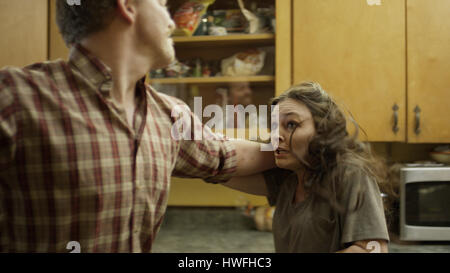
[[127, 10]]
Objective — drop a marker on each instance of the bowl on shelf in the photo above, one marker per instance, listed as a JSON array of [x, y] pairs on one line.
[[441, 157]]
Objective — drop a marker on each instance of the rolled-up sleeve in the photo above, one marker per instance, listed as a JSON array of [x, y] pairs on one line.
[[212, 158]]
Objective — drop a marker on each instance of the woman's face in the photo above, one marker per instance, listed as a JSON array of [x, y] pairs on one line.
[[295, 119]]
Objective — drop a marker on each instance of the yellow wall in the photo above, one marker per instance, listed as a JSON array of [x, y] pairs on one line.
[[403, 152], [195, 192]]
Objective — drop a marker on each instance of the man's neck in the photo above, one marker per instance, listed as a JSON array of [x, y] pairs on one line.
[[127, 66]]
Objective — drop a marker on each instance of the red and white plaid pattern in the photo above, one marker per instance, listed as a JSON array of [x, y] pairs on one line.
[[72, 169]]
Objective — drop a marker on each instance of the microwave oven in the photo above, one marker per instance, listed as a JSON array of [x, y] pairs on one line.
[[425, 204]]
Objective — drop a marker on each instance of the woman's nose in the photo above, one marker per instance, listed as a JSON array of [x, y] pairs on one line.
[[281, 138]]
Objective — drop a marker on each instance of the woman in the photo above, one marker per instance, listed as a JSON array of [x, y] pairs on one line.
[[325, 187]]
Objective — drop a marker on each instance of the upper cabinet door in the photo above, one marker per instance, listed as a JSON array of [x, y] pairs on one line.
[[57, 47], [356, 51], [283, 45], [23, 31], [428, 28]]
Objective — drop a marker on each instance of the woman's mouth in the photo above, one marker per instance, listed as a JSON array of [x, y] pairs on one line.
[[281, 151]]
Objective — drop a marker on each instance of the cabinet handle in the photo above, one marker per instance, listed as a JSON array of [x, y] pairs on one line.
[[417, 125], [395, 127]]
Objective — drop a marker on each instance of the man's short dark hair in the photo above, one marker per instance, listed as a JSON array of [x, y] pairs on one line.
[[75, 22]]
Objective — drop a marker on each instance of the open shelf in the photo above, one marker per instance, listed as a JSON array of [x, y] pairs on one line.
[[226, 40], [207, 80]]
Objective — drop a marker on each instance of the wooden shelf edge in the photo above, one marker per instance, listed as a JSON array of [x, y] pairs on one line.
[[192, 80], [230, 37]]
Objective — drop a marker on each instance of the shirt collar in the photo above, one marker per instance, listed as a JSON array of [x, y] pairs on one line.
[[93, 69], [89, 66]]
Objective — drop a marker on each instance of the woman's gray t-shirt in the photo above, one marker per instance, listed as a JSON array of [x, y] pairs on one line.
[[313, 225]]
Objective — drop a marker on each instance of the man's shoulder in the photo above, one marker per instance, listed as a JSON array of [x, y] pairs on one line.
[[12, 76], [164, 100], [9, 74], [165, 97]]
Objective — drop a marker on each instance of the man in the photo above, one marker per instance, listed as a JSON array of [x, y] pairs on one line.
[[86, 151]]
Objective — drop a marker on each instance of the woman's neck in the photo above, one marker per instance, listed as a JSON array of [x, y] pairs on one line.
[[300, 192], [301, 175]]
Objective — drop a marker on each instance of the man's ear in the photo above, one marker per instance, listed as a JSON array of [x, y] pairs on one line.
[[127, 10]]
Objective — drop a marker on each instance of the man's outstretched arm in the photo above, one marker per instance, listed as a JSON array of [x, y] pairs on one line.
[[250, 158]]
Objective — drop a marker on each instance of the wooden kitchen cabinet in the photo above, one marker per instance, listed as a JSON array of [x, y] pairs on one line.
[[23, 31], [57, 48], [357, 52], [195, 192], [428, 32]]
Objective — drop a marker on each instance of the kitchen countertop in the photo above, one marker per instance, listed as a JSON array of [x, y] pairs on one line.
[[227, 230]]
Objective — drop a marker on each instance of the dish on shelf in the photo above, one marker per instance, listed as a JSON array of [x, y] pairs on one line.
[[442, 157]]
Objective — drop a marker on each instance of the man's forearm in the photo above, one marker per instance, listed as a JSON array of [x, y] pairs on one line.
[[250, 158]]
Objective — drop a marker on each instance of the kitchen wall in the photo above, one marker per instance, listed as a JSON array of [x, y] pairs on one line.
[[403, 152]]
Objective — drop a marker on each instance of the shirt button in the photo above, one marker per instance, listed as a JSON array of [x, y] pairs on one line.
[[106, 86]]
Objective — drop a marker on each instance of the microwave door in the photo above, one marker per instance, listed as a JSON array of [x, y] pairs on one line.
[[425, 207]]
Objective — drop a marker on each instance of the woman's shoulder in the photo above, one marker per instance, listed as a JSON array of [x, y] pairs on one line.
[[354, 176]]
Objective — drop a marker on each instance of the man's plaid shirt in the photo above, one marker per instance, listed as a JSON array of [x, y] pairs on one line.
[[72, 169]]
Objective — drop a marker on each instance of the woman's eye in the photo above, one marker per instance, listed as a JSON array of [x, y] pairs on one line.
[[291, 125]]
